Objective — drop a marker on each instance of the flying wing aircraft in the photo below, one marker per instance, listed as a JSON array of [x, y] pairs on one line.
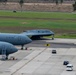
[[15, 39], [36, 34], [6, 49]]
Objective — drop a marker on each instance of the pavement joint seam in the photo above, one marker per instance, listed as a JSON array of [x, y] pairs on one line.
[[28, 62]]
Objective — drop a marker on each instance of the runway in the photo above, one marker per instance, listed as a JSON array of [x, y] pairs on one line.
[[56, 43], [38, 59]]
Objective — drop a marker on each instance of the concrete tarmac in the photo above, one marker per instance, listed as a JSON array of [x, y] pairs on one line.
[[39, 60], [56, 43]]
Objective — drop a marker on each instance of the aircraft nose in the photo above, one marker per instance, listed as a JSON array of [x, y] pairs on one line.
[[15, 50], [29, 40]]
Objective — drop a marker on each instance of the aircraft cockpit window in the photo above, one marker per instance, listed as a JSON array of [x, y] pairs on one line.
[[38, 31], [42, 31], [10, 38], [46, 31], [31, 31]]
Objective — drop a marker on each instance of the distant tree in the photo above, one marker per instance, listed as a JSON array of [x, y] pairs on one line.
[[74, 6], [61, 1], [21, 4], [56, 1], [0, 0], [4, 3], [3, 0]]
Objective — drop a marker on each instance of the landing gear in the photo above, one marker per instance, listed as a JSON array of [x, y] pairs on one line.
[[4, 57], [22, 47], [53, 37]]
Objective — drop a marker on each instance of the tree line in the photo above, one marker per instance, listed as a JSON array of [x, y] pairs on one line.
[[55, 1]]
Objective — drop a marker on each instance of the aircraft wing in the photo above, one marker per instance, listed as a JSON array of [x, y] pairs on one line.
[[38, 33]]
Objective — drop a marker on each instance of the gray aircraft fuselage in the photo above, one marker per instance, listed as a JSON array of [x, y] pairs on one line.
[[15, 39], [7, 48], [7, 40]]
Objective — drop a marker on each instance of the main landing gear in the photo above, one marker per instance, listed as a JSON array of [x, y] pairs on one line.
[[22, 47], [4, 57], [52, 37]]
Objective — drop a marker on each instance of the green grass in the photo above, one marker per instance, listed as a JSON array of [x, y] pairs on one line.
[[73, 36], [60, 23], [39, 14]]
